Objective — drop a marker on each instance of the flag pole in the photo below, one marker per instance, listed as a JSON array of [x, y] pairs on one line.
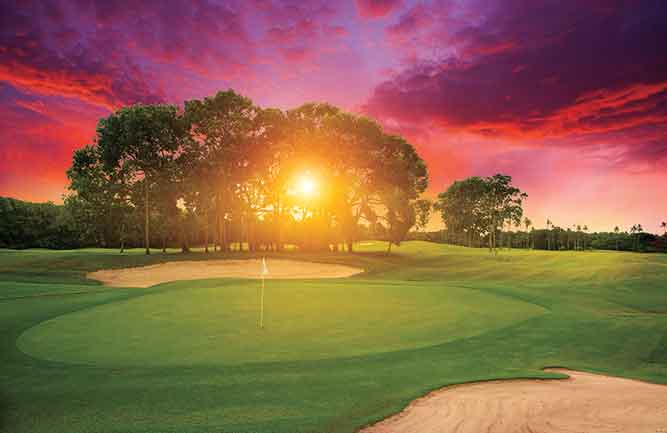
[[264, 272], [261, 311]]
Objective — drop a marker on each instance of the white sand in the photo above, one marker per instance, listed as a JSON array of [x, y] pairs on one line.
[[585, 403], [146, 276]]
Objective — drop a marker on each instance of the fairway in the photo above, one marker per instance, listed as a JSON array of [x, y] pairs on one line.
[[336, 355], [215, 322]]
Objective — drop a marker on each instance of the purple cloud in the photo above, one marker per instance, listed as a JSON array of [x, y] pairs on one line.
[[521, 67]]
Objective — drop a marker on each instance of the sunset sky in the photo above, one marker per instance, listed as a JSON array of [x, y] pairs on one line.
[[568, 97]]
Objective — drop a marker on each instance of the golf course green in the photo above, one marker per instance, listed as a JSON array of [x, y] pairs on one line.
[[335, 355]]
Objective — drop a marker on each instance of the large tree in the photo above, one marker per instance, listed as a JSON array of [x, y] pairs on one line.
[[481, 207], [360, 166], [461, 209], [98, 199], [226, 163], [144, 141], [501, 204], [223, 126]]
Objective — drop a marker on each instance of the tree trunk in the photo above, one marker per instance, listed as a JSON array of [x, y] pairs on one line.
[[218, 224], [240, 232], [349, 246], [122, 238], [185, 244], [389, 248], [277, 221], [146, 215], [490, 239], [225, 238], [222, 229], [206, 228]]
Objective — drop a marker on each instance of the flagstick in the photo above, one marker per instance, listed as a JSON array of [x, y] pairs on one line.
[[263, 273], [261, 311]]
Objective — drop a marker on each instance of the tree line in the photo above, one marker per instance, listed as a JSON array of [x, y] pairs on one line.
[[557, 239], [223, 173], [488, 212], [36, 225]]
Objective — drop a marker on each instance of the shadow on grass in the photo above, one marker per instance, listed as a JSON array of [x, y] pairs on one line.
[[4, 412]]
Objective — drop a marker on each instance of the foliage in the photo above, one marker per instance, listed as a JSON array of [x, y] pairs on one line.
[[480, 207], [37, 225], [559, 239], [101, 199], [224, 169], [461, 208], [141, 144], [423, 208], [501, 205]]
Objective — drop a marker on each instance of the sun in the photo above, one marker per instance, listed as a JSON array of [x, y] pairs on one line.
[[306, 185]]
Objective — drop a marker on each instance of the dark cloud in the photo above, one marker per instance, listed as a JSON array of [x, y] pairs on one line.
[[105, 53], [41, 51], [525, 67]]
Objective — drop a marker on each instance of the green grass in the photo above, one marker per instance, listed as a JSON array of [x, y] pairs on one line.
[[215, 322], [187, 356]]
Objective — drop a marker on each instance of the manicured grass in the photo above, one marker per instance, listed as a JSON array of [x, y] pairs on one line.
[[215, 322], [187, 356]]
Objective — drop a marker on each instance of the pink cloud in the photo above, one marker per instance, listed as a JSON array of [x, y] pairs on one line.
[[377, 8]]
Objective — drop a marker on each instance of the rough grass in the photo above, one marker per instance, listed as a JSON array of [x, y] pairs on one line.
[[142, 360]]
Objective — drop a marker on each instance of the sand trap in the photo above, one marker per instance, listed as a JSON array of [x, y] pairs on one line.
[[585, 403], [147, 276]]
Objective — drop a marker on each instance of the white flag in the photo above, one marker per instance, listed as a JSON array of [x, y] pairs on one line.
[[265, 269]]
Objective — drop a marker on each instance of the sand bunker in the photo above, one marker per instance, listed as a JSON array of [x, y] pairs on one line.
[[147, 276], [585, 403]]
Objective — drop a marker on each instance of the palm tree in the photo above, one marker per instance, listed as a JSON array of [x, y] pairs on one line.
[[585, 229], [664, 227], [527, 222], [617, 230], [636, 230], [572, 237], [549, 224]]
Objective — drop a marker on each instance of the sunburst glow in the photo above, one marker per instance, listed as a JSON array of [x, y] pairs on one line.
[[307, 186]]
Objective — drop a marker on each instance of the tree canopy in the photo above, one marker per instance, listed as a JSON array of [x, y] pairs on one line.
[[481, 207], [222, 169]]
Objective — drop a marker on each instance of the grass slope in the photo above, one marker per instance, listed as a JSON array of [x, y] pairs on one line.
[[135, 360]]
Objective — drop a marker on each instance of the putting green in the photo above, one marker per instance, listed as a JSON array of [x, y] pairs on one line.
[[215, 322]]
